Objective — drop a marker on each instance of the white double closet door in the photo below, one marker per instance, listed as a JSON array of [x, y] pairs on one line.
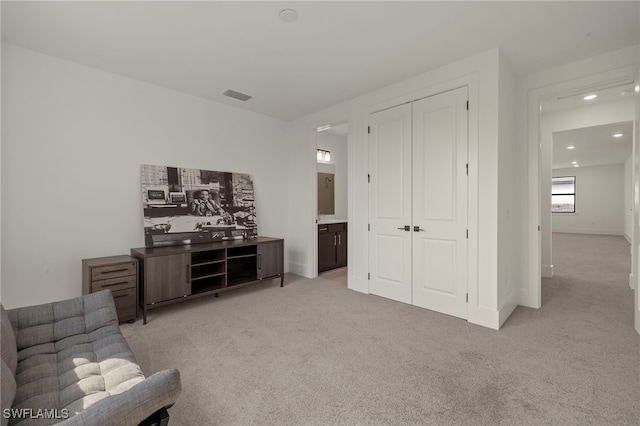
[[418, 203]]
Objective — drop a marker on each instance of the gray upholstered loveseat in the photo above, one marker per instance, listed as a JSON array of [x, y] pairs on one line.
[[68, 362]]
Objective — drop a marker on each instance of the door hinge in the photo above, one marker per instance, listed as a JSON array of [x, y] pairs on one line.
[[368, 129], [368, 275], [368, 178], [467, 105], [368, 227], [538, 227], [467, 234], [467, 297], [467, 169]]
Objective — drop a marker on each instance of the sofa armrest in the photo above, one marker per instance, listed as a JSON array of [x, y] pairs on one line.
[[131, 407]]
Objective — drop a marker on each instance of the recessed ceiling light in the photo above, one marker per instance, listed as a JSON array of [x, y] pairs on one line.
[[288, 15], [576, 165], [571, 147], [618, 135], [590, 97], [574, 162], [637, 88]]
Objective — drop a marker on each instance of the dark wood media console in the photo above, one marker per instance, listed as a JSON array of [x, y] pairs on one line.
[[178, 273]]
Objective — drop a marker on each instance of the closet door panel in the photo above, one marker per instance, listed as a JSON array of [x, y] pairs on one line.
[[389, 273], [439, 264], [390, 203], [440, 203], [435, 164]]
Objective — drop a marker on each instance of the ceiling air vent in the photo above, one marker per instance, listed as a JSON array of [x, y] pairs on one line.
[[236, 95]]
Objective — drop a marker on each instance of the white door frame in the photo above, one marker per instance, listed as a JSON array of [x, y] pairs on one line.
[[634, 279], [532, 297], [313, 146]]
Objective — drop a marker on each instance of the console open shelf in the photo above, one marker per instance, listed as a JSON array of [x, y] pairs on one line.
[[208, 284], [178, 273]]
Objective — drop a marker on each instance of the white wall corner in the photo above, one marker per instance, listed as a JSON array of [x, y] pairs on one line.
[[508, 308], [526, 299], [547, 271]]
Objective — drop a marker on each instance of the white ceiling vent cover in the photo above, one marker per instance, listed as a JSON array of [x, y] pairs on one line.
[[236, 95]]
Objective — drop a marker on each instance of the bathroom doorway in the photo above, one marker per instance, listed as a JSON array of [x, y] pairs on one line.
[[332, 201]]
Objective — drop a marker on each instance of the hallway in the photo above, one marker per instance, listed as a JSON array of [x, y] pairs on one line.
[[591, 278]]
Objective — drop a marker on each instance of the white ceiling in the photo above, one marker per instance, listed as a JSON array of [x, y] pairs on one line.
[[335, 51], [594, 146]]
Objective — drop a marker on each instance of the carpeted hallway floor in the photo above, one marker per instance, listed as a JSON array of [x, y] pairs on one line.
[[316, 353]]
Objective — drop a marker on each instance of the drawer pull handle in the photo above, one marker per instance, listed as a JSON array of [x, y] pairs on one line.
[[115, 270], [120, 295], [112, 284]]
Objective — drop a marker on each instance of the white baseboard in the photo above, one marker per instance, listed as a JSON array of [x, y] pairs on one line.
[[359, 284], [488, 318], [300, 269], [547, 271], [595, 231]]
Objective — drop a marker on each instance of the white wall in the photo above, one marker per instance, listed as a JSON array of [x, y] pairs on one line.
[[599, 201], [509, 210], [338, 145], [73, 139], [480, 73]]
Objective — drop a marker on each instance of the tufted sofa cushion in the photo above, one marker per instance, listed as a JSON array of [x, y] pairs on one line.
[[8, 343], [9, 362], [70, 354]]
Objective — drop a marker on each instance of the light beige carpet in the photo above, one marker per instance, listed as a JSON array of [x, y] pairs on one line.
[[316, 353]]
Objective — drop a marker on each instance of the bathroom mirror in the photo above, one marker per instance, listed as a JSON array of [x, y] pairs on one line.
[[326, 189]]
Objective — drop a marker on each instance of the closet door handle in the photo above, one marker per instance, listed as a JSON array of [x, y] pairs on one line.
[[418, 229], [406, 228]]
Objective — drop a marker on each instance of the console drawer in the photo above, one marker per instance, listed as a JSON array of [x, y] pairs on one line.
[[125, 301], [119, 274], [113, 271], [114, 284]]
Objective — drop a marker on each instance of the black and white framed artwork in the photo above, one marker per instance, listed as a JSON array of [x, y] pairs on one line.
[[187, 206]]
